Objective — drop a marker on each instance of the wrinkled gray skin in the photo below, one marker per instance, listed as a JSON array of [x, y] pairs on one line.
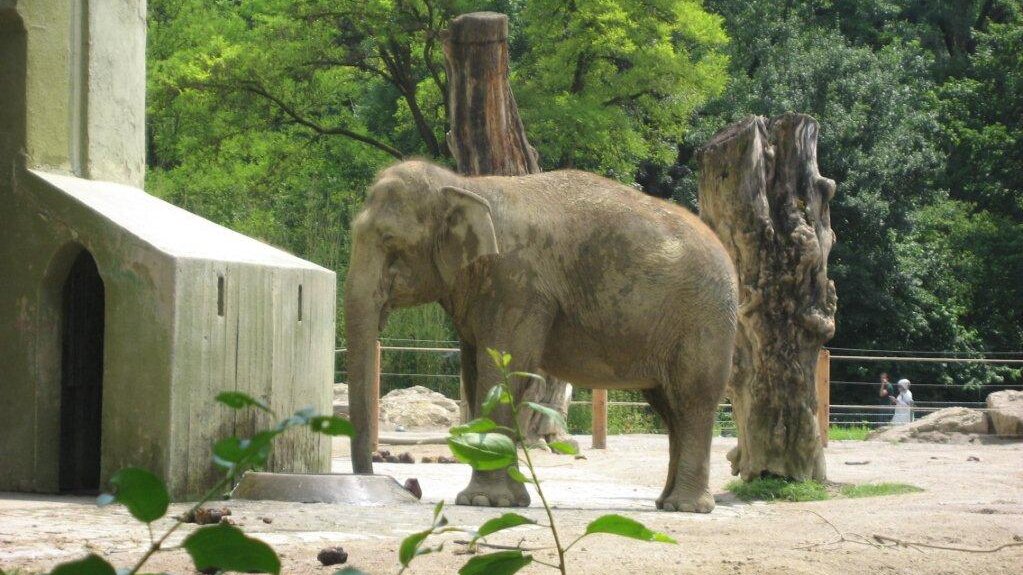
[[573, 275]]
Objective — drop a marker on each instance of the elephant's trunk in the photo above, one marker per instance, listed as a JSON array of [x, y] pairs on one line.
[[365, 301]]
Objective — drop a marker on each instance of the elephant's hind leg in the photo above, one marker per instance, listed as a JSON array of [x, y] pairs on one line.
[[658, 400], [692, 398]]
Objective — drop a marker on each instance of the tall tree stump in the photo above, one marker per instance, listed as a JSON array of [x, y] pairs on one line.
[[761, 192], [487, 138]]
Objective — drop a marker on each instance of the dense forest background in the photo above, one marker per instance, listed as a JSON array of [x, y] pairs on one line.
[[272, 116]]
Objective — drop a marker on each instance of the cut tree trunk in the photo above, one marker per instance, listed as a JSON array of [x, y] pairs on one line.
[[761, 192], [487, 138]]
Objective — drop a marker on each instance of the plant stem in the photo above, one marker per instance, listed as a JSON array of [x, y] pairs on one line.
[[539, 490], [155, 546]]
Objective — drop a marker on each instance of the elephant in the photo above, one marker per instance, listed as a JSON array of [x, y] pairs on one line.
[[573, 275]]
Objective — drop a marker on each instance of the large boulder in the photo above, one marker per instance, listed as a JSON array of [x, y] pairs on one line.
[[949, 425], [418, 407], [1005, 408]]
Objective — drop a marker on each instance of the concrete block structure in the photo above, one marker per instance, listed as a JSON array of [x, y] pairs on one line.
[[122, 316]]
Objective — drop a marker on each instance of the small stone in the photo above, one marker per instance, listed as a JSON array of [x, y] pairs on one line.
[[384, 453], [210, 515], [406, 458], [412, 486], [377, 458], [445, 459], [228, 521], [332, 556], [392, 459], [267, 520], [580, 456], [973, 458], [428, 459], [210, 570], [399, 428]]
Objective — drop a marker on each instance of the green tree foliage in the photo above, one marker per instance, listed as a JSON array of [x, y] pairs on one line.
[[606, 85], [272, 116]]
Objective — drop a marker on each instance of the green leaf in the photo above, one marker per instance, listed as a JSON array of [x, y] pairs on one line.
[[500, 563], [535, 376], [484, 451], [437, 509], [141, 492], [228, 451], [91, 565], [497, 394], [410, 546], [563, 447], [501, 360], [332, 425], [480, 425], [506, 521], [558, 419], [625, 527], [226, 547], [517, 475], [350, 571], [239, 400]]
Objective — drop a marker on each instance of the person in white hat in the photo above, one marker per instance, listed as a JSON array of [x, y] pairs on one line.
[[903, 403]]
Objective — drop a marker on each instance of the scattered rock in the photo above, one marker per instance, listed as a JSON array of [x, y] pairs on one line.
[[206, 515], [412, 486], [864, 462], [399, 428], [377, 458], [418, 407], [973, 458], [580, 456], [428, 459], [446, 459], [949, 425], [392, 459], [332, 556], [1005, 409], [406, 458], [267, 520], [228, 521]]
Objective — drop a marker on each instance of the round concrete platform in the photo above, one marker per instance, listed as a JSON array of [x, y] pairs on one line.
[[363, 490]]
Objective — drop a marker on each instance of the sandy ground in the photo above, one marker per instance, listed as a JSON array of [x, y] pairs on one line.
[[966, 503]]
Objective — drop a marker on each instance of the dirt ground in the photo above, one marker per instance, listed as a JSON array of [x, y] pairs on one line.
[[973, 498]]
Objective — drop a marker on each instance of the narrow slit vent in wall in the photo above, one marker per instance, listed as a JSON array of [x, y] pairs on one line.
[[299, 302], [220, 295]]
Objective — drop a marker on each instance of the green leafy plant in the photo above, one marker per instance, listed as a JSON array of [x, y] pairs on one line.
[[218, 547], [487, 446]]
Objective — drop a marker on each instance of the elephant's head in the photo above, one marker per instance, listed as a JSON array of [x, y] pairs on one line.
[[410, 241]]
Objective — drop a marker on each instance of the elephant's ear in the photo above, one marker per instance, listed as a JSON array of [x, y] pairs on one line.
[[467, 231]]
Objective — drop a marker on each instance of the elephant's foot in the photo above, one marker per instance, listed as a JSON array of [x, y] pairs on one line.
[[691, 502], [493, 489]]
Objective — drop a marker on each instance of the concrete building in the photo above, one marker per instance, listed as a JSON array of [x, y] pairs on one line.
[[122, 316]]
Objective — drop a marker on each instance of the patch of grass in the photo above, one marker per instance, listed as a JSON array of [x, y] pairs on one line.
[[778, 489], [878, 489], [848, 432]]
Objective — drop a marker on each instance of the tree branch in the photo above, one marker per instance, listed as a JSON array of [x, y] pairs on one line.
[[255, 88]]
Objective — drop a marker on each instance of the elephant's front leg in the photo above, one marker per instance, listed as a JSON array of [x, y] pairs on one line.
[[497, 488]]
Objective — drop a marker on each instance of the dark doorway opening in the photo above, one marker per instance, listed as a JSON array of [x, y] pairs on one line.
[[81, 385]]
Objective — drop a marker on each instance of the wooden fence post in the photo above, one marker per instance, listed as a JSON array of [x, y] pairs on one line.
[[374, 411], [823, 378], [599, 419]]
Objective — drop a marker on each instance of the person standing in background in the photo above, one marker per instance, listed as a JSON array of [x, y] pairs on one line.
[[903, 404], [886, 398]]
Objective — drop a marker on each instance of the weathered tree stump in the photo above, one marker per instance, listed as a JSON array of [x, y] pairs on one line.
[[487, 138], [761, 192]]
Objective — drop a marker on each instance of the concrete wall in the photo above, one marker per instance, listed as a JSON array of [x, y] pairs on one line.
[[115, 121], [258, 346], [86, 91], [42, 232]]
